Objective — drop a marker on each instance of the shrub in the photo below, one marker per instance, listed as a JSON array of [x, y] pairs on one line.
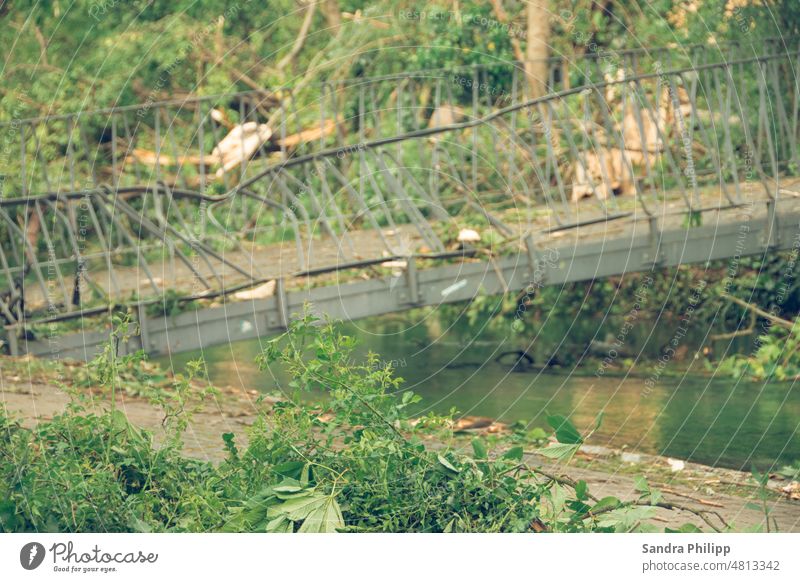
[[359, 463]]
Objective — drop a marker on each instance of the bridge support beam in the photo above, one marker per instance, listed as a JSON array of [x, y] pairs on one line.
[[578, 261]]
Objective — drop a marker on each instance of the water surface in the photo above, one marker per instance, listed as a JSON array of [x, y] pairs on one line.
[[715, 421]]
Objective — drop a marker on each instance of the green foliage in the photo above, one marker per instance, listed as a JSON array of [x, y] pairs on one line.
[[91, 54], [361, 466], [763, 505], [170, 304], [774, 357]]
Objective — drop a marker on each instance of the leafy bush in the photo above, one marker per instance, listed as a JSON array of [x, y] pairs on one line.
[[360, 464]]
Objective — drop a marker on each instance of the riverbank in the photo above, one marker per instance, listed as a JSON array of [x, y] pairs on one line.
[[31, 391]]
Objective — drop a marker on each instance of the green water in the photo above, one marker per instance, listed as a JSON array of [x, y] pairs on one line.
[[718, 422]]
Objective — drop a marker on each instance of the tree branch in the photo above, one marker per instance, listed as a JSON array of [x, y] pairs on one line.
[[773, 318], [301, 37]]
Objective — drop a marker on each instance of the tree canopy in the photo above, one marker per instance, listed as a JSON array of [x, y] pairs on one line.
[[66, 56]]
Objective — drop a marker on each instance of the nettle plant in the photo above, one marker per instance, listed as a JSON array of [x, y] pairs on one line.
[[357, 462]]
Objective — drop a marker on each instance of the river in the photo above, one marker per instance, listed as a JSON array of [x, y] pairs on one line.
[[716, 421]]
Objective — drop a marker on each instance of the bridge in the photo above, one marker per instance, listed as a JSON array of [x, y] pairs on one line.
[[215, 219]]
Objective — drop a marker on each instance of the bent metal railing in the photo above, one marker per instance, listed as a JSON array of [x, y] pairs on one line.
[[666, 143]]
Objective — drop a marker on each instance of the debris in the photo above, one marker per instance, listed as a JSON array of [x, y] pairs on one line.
[[605, 171], [676, 465], [641, 135], [482, 424], [239, 145], [446, 115], [220, 117], [151, 158], [308, 135], [467, 235], [696, 499], [792, 490], [260, 292]]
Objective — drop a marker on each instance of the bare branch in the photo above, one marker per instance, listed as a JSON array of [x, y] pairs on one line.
[[301, 37]]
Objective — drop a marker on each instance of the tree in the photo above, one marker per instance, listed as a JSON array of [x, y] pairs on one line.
[[537, 49]]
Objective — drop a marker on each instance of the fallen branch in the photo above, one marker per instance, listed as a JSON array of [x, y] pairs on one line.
[[696, 499], [308, 135], [738, 333], [701, 513], [765, 314]]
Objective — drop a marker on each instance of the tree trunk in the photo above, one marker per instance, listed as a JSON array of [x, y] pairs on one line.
[[537, 51], [333, 16]]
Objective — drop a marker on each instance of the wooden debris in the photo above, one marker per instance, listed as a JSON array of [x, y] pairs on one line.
[[480, 424], [467, 235], [151, 158], [260, 292], [220, 117], [445, 115], [395, 264], [608, 170], [695, 499], [308, 135], [792, 491], [239, 145]]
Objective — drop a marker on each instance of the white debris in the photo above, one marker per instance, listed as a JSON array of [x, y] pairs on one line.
[[467, 235], [240, 144], [395, 264], [676, 465], [260, 292]]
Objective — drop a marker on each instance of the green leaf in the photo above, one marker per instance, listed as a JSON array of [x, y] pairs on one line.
[[581, 490], [479, 449], [559, 451], [289, 469], [625, 518], [305, 475], [447, 464], [297, 508], [655, 496], [280, 525], [640, 484], [598, 422], [140, 526], [514, 454], [288, 486], [325, 517], [685, 528], [606, 502], [558, 498], [565, 431]]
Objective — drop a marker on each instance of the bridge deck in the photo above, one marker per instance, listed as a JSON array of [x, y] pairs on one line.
[[266, 262], [588, 252]]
